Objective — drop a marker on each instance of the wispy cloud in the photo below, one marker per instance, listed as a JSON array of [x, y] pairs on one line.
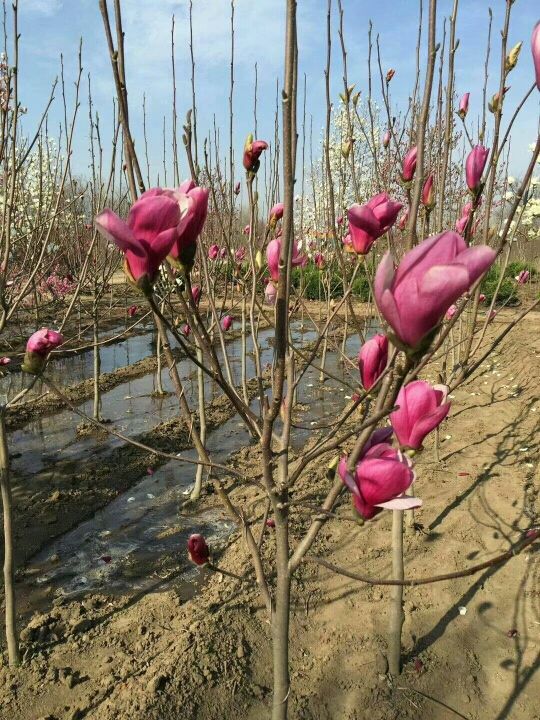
[[41, 7]]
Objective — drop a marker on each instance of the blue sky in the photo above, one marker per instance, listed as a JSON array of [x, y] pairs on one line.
[[51, 27]]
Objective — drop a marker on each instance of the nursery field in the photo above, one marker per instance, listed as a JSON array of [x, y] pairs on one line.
[[270, 360]]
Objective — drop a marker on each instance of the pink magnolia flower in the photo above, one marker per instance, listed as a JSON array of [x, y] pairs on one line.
[[481, 297], [38, 347], [319, 260], [194, 200], [276, 213], [223, 253], [535, 49], [226, 322], [132, 310], [270, 294], [428, 196], [152, 227], [386, 139], [414, 297], [196, 293], [213, 251], [372, 360], [492, 316], [464, 106], [198, 550], [380, 480], [409, 165], [252, 152], [273, 252], [246, 230], [474, 167], [368, 222], [240, 254], [186, 330], [347, 243], [452, 310], [421, 409], [523, 277], [5, 360]]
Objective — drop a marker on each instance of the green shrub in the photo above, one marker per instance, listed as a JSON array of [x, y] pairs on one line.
[[315, 283], [514, 268], [506, 292]]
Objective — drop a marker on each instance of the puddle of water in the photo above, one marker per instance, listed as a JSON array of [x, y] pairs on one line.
[[120, 549]]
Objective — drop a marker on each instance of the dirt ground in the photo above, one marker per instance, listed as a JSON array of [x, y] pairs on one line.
[[471, 646]]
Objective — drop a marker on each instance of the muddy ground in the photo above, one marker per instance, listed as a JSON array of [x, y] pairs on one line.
[[163, 655]]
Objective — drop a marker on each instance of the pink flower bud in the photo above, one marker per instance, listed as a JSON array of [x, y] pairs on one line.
[[403, 220], [237, 189], [198, 550], [246, 230], [252, 153], [213, 251], [223, 253], [409, 165], [38, 347], [133, 310], [186, 330], [464, 106], [273, 252], [523, 277], [319, 260], [452, 310], [482, 297], [368, 222], [474, 167], [271, 523], [386, 139], [428, 195], [535, 48], [372, 360], [421, 409], [276, 213], [5, 360], [226, 323], [240, 255], [390, 74]]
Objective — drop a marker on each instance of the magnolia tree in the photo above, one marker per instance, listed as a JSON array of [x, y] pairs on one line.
[[421, 284]]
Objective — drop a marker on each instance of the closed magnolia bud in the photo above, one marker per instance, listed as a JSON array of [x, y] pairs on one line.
[[346, 149], [512, 57], [464, 106], [386, 139], [372, 360], [38, 347], [495, 105], [428, 195], [535, 49], [356, 98], [259, 260], [390, 74]]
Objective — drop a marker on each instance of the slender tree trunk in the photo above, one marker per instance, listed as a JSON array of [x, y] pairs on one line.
[[396, 608], [9, 569], [97, 367], [196, 492], [280, 620]]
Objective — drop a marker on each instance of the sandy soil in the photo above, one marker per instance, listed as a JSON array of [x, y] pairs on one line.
[[165, 656]]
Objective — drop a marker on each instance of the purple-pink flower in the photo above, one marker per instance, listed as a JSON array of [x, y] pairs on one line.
[[372, 360], [38, 347], [474, 167], [368, 222], [421, 409], [273, 252], [414, 297], [196, 293], [380, 480], [226, 323], [270, 293], [464, 106], [428, 195], [193, 202], [213, 251], [146, 238], [252, 153], [409, 165], [523, 277], [276, 213]]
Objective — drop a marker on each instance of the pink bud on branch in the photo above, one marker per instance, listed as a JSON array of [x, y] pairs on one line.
[[198, 550], [535, 49], [421, 409], [474, 167], [38, 347], [409, 165], [368, 222], [372, 360]]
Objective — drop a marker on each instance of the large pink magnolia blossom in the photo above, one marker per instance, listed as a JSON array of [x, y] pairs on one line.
[[183, 250], [273, 251], [198, 550], [372, 360], [535, 49], [153, 225], [414, 297], [368, 222], [409, 165], [38, 347], [380, 480], [422, 408], [474, 167], [252, 152]]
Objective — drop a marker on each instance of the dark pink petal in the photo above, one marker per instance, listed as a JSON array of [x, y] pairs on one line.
[[116, 231]]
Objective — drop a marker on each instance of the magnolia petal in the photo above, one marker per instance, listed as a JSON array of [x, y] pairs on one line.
[[404, 502]]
